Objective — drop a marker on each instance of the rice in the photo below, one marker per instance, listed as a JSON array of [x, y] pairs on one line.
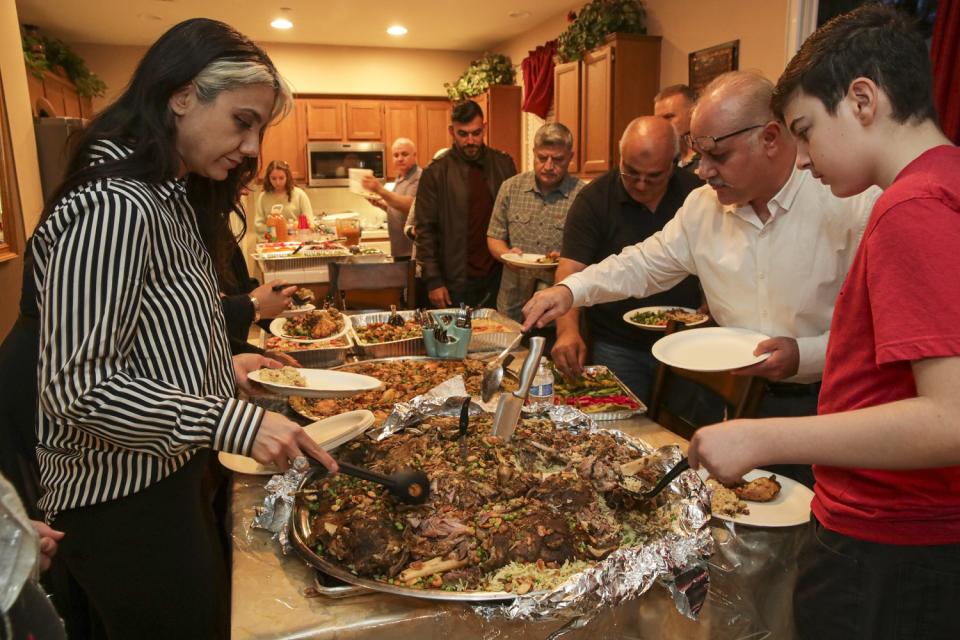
[[289, 376]]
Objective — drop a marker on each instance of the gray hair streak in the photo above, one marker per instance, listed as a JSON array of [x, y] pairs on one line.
[[553, 134], [225, 75]]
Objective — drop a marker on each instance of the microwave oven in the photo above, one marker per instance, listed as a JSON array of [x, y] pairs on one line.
[[328, 163]]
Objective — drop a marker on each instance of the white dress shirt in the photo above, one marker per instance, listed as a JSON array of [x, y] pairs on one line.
[[780, 278]]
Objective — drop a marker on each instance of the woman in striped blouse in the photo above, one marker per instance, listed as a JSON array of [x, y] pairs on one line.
[[136, 382]]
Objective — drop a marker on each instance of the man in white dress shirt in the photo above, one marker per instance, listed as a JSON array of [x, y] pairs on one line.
[[770, 244]]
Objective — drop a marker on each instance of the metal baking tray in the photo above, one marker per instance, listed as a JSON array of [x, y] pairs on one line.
[[323, 357], [623, 414], [366, 350], [493, 340]]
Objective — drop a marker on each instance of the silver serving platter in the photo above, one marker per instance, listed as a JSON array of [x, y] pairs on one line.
[[622, 414], [301, 531]]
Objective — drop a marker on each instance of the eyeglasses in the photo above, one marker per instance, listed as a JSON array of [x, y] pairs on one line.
[[649, 178], [707, 144]]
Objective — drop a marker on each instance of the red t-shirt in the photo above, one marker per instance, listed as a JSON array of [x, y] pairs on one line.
[[899, 303]]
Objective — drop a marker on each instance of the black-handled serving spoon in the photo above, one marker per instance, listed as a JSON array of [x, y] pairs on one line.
[[410, 486]]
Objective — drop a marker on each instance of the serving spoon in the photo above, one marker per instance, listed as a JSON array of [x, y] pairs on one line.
[[410, 486], [493, 372]]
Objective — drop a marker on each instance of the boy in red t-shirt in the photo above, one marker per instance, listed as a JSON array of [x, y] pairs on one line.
[[884, 560]]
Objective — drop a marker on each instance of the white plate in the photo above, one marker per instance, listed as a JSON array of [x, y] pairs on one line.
[[710, 349], [277, 325], [322, 383], [789, 509], [289, 313], [328, 433], [527, 260], [657, 327]]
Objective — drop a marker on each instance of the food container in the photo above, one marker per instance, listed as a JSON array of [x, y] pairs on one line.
[[622, 414], [318, 355], [490, 340], [407, 347]]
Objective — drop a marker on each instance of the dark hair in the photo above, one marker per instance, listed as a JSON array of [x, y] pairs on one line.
[[141, 120], [278, 165], [464, 112], [872, 41], [676, 90]]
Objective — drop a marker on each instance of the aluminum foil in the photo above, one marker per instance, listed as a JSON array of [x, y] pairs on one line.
[[678, 560], [274, 514]]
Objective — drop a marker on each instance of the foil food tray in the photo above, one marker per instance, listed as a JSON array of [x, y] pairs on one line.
[[622, 414], [491, 340], [366, 350], [321, 357]]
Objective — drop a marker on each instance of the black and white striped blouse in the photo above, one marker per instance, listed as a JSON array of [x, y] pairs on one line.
[[135, 371]]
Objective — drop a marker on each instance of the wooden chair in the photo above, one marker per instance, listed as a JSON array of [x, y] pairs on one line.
[[390, 278], [740, 395]]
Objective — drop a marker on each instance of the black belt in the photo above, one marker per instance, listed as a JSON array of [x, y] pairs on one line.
[[793, 389]]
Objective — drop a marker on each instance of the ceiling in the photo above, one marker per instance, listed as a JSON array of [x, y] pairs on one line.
[[432, 24]]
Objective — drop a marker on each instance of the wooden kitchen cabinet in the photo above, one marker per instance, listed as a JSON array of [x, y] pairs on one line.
[[433, 131], [324, 119], [55, 96], [364, 119], [400, 120], [287, 140], [566, 91], [501, 110], [617, 83]]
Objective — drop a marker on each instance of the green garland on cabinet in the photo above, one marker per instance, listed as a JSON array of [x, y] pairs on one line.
[[492, 68], [41, 53], [596, 21]]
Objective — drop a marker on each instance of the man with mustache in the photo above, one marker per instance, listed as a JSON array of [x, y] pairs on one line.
[[529, 214], [770, 244], [454, 203]]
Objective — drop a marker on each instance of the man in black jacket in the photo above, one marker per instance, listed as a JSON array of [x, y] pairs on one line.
[[454, 203]]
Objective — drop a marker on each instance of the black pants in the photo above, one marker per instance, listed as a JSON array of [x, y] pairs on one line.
[[850, 589], [151, 564], [479, 292]]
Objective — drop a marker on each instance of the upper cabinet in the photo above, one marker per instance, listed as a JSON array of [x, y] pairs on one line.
[[566, 93], [55, 96], [364, 120], [324, 119], [501, 110], [611, 86], [287, 140], [424, 122]]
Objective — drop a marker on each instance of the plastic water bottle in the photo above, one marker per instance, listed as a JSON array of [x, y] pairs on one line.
[[541, 390]]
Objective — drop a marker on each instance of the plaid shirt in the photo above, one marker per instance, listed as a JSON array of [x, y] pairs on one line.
[[532, 221]]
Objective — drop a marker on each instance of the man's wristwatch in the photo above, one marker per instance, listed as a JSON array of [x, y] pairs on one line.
[[256, 308]]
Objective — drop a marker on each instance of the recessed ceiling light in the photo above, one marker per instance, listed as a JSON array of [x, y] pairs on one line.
[[397, 30], [518, 14], [281, 23]]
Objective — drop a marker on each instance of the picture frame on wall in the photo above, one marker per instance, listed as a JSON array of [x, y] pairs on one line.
[[707, 64]]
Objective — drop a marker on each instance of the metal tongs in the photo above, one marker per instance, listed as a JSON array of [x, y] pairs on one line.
[[665, 481], [297, 300]]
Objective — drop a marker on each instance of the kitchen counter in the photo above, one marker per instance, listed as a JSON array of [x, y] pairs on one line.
[[752, 576]]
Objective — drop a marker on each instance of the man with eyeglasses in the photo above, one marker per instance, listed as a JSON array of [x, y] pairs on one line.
[[454, 204], [619, 209], [770, 244]]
